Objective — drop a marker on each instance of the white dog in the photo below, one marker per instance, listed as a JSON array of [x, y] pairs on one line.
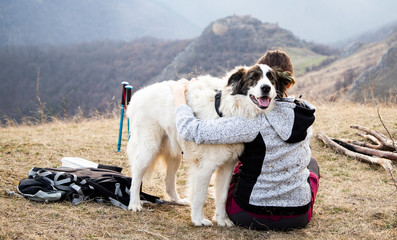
[[245, 92]]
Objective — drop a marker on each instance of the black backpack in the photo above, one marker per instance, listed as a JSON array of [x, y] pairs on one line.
[[79, 184]]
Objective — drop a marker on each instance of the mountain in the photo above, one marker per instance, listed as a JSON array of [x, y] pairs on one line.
[[85, 78], [232, 41], [378, 82], [370, 36], [33, 22], [358, 66]]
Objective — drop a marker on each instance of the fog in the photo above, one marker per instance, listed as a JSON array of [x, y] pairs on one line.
[[59, 22], [322, 21]]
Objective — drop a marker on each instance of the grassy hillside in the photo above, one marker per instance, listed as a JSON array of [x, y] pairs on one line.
[[304, 59], [355, 200]]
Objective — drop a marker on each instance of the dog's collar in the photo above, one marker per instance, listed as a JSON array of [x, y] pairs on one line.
[[218, 96]]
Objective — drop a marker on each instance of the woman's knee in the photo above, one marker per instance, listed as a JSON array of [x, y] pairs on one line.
[[313, 167]]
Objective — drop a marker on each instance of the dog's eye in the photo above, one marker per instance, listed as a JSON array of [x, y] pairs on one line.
[[269, 75], [254, 76]]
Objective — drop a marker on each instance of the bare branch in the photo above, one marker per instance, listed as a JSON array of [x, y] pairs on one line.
[[385, 163], [370, 137], [382, 139], [387, 130], [40, 104], [365, 144], [365, 150]]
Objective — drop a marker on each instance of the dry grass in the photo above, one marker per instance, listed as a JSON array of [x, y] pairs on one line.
[[355, 200]]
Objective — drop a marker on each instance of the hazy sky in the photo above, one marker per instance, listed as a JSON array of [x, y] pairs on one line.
[[322, 21]]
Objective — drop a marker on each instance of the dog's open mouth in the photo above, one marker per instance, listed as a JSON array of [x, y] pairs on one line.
[[262, 102]]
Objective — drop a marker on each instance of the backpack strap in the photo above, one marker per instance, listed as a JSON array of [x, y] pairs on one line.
[[114, 198], [148, 197], [110, 167], [218, 97]]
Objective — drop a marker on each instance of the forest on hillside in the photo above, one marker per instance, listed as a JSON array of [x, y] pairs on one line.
[[78, 78]]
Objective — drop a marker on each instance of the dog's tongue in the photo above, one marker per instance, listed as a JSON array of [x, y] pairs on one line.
[[264, 101]]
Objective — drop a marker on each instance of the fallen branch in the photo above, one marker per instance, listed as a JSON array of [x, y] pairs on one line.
[[363, 144], [382, 138], [365, 150], [385, 163], [376, 144]]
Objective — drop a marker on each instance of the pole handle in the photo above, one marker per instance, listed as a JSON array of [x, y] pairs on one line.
[[123, 94]]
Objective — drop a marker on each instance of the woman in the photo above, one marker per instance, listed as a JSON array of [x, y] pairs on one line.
[[275, 184]]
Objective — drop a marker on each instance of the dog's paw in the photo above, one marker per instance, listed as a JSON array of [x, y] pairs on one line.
[[203, 222], [225, 222], [183, 201], [135, 207], [222, 221]]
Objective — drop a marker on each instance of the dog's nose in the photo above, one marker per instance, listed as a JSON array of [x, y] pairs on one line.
[[265, 88]]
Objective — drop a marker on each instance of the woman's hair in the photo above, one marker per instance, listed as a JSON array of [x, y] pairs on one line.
[[277, 58], [282, 65]]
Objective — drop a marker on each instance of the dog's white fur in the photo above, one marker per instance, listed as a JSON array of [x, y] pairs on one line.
[[154, 136]]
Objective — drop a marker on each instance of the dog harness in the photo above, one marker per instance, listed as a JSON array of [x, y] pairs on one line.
[[218, 97]]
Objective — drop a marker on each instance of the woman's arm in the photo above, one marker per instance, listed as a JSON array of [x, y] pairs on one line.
[[217, 131]]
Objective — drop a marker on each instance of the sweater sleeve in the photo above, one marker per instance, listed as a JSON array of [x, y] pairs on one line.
[[224, 130]]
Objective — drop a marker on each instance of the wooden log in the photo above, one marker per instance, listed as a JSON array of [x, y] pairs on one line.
[[385, 163], [365, 150]]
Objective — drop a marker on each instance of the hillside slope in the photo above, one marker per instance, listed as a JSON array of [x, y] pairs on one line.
[[379, 82], [335, 80]]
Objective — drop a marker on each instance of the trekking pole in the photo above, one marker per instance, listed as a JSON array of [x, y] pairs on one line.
[[128, 90], [123, 103]]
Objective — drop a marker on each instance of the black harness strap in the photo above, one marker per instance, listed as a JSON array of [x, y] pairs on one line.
[[218, 96]]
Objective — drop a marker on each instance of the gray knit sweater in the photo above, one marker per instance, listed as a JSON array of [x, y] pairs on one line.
[[274, 163]]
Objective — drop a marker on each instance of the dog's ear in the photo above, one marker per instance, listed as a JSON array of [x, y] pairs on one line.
[[235, 80], [284, 80]]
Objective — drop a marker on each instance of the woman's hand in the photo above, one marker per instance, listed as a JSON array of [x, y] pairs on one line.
[[179, 89], [180, 85]]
